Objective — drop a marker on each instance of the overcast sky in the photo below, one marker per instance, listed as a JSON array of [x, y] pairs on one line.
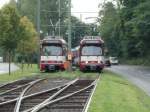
[[83, 6], [2, 2]]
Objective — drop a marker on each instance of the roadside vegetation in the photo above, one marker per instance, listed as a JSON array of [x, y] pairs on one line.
[[137, 61], [33, 71], [115, 94], [124, 25], [18, 36], [28, 71]]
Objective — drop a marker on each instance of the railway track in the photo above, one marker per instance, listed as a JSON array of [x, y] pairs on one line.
[[72, 99], [15, 84], [36, 86], [15, 92], [75, 102], [61, 96]]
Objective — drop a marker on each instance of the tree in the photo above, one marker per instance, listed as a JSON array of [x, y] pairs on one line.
[[136, 18], [9, 30], [29, 43], [125, 28], [110, 28], [141, 28], [79, 30], [49, 13], [12, 3]]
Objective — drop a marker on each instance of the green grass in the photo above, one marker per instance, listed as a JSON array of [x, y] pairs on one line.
[[115, 94], [34, 72], [68, 75], [28, 71]]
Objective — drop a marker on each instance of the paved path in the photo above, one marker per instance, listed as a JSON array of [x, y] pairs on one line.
[[4, 68], [138, 75]]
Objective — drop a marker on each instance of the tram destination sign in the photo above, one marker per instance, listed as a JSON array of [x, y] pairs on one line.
[[92, 41], [52, 41]]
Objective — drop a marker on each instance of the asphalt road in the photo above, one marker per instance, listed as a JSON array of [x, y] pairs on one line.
[[4, 68], [138, 75]]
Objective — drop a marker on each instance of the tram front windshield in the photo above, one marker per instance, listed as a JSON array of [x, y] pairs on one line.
[[52, 50], [91, 50]]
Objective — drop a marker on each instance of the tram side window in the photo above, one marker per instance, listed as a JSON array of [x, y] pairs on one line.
[[91, 50]]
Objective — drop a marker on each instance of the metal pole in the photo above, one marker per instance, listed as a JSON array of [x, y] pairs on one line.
[[18, 4], [38, 27], [69, 31], [59, 17], [38, 16]]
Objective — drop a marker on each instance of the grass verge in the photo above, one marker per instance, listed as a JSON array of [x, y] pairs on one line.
[[33, 71], [115, 94], [27, 71]]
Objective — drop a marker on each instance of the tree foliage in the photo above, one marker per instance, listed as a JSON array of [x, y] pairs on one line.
[[109, 28], [16, 32], [80, 29], [9, 28], [49, 12], [28, 44], [50, 15], [126, 28]]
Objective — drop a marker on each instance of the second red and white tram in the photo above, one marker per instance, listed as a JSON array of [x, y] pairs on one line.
[[91, 53], [53, 54]]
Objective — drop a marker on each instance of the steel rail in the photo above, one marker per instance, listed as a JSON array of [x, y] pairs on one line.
[[14, 89], [20, 86], [34, 95], [31, 95], [64, 97], [10, 82], [53, 96], [86, 107], [17, 107], [28, 110]]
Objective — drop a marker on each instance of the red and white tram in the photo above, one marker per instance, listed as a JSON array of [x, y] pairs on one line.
[[91, 53], [53, 54]]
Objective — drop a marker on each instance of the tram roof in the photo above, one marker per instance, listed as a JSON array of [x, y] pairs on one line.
[[92, 39], [56, 39]]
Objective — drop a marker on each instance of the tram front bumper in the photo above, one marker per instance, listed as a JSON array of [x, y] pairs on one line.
[[51, 67], [92, 67]]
